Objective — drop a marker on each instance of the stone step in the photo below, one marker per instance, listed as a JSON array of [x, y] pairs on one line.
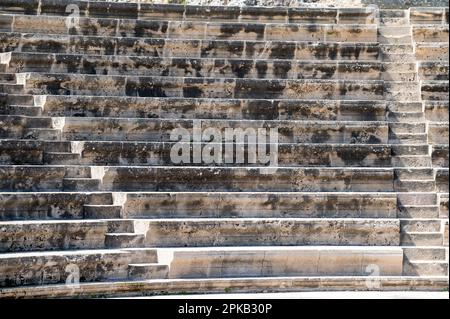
[[433, 71], [411, 161], [258, 205], [7, 77], [243, 179], [193, 29], [42, 206], [40, 268], [394, 17], [443, 206], [179, 48], [61, 158], [168, 178], [440, 155], [100, 85], [430, 33], [425, 268], [124, 240], [406, 117], [424, 253], [405, 107], [404, 128], [437, 111], [442, 180], [18, 236], [80, 184], [205, 232], [402, 91], [54, 205], [432, 51], [395, 35], [161, 154], [10, 88], [438, 133], [418, 211], [421, 239], [200, 67], [280, 261], [409, 150], [102, 211], [193, 108], [147, 271], [420, 225], [408, 138], [435, 90], [164, 130], [415, 186], [24, 110], [43, 134], [396, 50], [14, 99], [150, 11], [417, 199], [78, 171], [232, 285], [427, 15], [414, 174]]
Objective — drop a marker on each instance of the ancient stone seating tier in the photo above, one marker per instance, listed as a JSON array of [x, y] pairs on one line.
[[359, 97]]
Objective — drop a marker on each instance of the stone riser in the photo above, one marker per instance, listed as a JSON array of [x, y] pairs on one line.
[[70, 235], [430, 33], [194, 29], [435, 90], [149, 11], [148, 154], [79, 129], [33, 178], [43, 206], [326, 261], [224, 179], [37, 206], [131, 107], [237, 285], [97, 85], [268, 232], [440, 156], [438, 133], [67, 235], [219, 68], [162, 130], [116, 46], [433, 71], [208, 263], [50, 268], [432, 52], [437, 111]]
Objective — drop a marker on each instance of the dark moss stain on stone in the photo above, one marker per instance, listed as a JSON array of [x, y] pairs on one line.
[[192, 92], [333, 51], [255, 28], [320, 136], [282, 51], [241, 68], [227, 30], [89, 67], [281, 69], [144, 89], [261, 69]]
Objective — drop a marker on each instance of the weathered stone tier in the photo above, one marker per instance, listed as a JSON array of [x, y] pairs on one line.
[[87, 106]]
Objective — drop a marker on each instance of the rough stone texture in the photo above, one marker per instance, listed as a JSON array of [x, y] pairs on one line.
[[357, 94]]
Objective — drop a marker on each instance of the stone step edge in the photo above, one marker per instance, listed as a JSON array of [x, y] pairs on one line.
[[309, 43], [195, 286], [5, 59]]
